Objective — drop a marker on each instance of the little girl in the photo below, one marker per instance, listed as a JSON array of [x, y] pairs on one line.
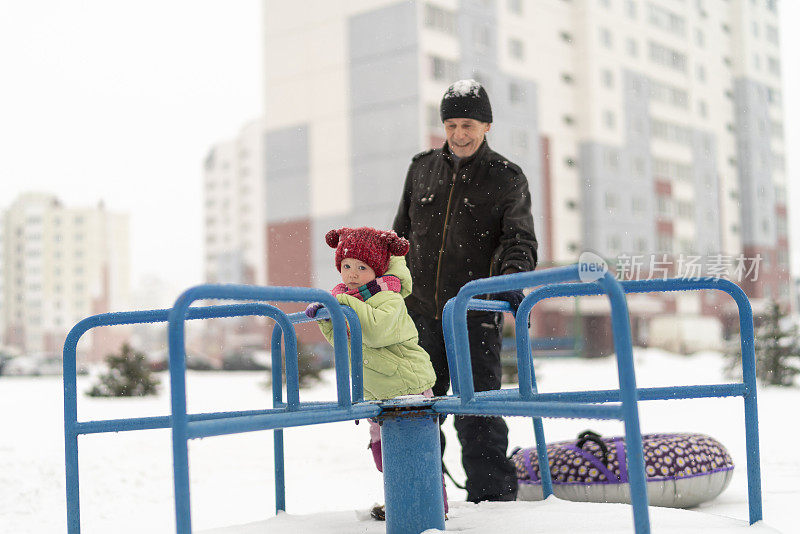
[[375, 281]]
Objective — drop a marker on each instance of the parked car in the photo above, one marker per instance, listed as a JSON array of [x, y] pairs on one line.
[[245, 360], [40, 364], [4, 358]]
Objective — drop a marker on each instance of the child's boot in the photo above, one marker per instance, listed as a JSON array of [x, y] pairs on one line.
[[375, 447]]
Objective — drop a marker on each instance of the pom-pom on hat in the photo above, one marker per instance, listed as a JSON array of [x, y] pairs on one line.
[[373, 247], [466, 99]]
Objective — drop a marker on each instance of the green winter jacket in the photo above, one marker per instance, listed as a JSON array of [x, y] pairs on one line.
[[394, 364]]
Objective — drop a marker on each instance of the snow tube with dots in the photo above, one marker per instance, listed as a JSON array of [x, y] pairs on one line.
[[682, 470]]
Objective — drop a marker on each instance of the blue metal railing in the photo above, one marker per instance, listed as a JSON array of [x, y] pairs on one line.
[[524, 402], [562, 401], [618, 404], [746, 389], [284, 323]]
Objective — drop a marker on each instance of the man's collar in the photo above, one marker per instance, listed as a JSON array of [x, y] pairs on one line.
[[448, 155]]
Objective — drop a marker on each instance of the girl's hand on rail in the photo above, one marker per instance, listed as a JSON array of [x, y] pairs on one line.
[[312, 309]]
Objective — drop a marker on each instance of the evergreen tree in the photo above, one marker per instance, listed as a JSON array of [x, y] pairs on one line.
[[309, 366], [128, 375], [777, 345]]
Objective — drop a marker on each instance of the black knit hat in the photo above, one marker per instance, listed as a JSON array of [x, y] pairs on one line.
[[466, 99]]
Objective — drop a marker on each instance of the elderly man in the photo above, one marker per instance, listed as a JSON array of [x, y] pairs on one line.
[[467, 212]]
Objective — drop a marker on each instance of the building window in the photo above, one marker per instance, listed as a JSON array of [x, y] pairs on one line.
[[778, 161], [774, 65], [434, 121], [700, 73], [666, 20], [630, 8], [614, 244], [607, 78], [699, 38], [664, 205], [605, 38], [773, 96], [772, 5], [515, 6], [685, 209], [443, 70], [702, 108], [638, 168], [632, 47], [664, 243], [776, 129], [516, 93], [669, 131], [771, 34], [519, 140], [440, 19], [780, 194], [611, 201], [668, 94], [483, 36], [516, 48], [609, 119], [611, 160], [667, 57]]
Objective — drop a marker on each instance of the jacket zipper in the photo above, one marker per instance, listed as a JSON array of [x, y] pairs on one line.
[[441, 250]]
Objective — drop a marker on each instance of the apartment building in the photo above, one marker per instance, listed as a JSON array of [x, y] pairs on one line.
[[235, 232], [648, 129], [60, 265], [234, 209]]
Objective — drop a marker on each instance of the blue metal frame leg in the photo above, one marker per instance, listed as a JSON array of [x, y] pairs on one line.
[[544, 460], [73, 493], [280, 473], [412, 473]]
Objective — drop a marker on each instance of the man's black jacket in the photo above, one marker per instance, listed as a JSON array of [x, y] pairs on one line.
[[463, 223]]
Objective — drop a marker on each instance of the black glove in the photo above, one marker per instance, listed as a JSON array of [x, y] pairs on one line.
[[513, 297]]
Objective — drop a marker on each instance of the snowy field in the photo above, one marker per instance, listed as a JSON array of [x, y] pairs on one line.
[[126, 478]]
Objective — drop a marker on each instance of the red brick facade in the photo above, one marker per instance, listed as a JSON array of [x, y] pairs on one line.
[[289, 264]]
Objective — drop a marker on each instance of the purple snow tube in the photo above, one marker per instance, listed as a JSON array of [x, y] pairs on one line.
[[682, 470]]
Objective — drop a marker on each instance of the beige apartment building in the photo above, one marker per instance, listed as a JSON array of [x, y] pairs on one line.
[[59, 265], [650, 131]]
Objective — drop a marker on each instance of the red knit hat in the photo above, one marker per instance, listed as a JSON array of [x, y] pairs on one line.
[[369, 245]]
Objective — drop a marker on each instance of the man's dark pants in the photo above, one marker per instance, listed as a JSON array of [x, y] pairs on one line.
[[484, 440]]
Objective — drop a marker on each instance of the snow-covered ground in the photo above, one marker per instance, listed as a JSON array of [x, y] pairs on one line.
[[126, 478]]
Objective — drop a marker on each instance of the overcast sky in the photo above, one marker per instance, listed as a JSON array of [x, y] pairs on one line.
[[120, 101]]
